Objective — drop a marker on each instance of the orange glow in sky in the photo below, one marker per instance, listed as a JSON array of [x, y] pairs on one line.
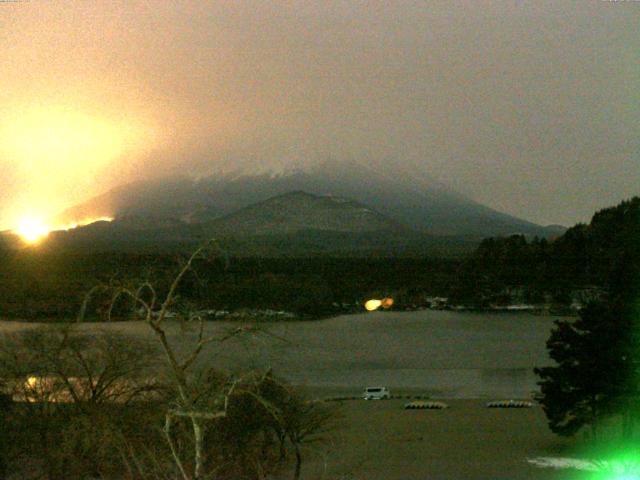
[[60, 142], [33, 230], [60, 156], [97, 94]]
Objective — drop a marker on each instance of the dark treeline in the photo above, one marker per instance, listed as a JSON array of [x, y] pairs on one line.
[[595, 381], [586, 258], [39, 285], [36, 284], [322, 286]]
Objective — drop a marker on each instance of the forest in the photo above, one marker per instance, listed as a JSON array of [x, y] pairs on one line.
[[587, 260], [583, 263]]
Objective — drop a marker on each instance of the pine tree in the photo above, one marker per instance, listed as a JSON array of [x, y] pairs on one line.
[[596, 369]]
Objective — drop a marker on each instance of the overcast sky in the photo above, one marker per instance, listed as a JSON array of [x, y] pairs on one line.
[[530, 107]]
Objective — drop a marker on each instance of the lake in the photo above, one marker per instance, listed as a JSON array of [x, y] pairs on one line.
[[440, 353]]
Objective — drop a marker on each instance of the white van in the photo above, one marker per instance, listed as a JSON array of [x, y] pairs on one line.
[[376, 393]]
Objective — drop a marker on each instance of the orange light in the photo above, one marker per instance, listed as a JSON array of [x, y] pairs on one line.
[[34, 230], [372, 304], [59, 152], [387, 303]]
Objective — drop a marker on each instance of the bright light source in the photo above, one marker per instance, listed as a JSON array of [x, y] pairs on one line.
[[32, 230], [59, 154], [372, 305]]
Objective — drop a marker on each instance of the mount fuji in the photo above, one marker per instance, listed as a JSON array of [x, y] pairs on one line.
[[407, 197]]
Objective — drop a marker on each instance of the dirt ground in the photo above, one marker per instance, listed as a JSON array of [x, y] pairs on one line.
[[380, 440]]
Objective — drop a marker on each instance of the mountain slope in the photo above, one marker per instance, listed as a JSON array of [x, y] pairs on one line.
[[295, 224], [298, 211], [408, 197]]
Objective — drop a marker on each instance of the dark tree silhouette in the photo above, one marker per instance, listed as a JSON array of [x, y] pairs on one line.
[[596, 372]]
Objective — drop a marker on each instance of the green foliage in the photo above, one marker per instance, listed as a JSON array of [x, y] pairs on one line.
[[597, 361], [598, 356], [604, 253]]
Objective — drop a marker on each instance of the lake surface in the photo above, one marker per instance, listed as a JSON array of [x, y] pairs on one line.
[[441, 353], [446, 354]]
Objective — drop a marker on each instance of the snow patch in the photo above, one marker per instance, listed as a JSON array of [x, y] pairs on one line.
[[630, 469], [563, 463]]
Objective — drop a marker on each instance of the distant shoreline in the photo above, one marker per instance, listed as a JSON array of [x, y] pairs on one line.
[[258, 316]]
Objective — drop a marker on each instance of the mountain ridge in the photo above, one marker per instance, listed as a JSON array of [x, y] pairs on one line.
[[412, 200]]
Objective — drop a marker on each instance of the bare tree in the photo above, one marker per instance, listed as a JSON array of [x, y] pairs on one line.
[[205, 401], [60, 364], [188, 402], [68, 385], [298, 422]]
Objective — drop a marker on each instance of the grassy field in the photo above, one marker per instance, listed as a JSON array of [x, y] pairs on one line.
[[379, 440]]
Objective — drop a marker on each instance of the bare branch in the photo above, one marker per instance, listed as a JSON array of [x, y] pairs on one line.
[[167, 432], [197, 414], [87, 298], [172, 290], [147, 286]]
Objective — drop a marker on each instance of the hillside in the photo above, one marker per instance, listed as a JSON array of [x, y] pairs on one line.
[[600, 256], [292, 224], [406, 196], [296, 211]]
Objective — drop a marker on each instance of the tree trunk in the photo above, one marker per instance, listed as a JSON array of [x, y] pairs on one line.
[[198, 435], [296, 474], [283, 450]]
